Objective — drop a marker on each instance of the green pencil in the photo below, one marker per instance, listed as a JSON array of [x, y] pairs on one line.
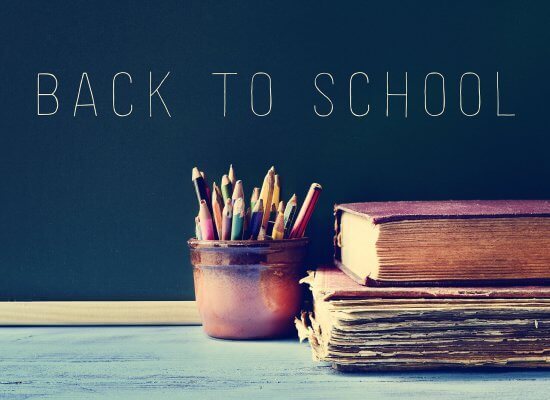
[[238, 220], [227, 188]]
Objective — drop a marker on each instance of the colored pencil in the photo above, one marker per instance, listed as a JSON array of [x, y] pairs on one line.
[[238, 191], [238, 219], [198, 228], [217, 189], [227, 188], [246, 223], [272, 218], [217, 209], [254, 198], [279, 226], [208, 193], [256, 219], [200, 185], [304, 215], [227, 216], [231, 175], [207, 227], [223, 213], [276, 191], [290, 214], [266, 194]]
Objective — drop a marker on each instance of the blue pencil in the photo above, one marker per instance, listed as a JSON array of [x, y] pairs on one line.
[[256, 219]]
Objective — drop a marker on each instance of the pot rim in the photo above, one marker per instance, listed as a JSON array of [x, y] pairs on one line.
[[194, 243]]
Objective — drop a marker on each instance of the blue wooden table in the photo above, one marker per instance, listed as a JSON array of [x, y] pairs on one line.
[[182, 363]]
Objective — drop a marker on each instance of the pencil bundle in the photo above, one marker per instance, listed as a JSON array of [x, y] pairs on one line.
[[224, 215]]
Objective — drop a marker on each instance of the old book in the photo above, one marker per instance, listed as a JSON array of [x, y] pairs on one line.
[[444, 242], [357, 327]]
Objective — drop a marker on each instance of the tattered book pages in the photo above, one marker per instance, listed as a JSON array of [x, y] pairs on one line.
[[431, 328]]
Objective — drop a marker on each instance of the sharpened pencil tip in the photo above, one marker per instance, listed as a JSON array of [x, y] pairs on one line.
[[195, 174]]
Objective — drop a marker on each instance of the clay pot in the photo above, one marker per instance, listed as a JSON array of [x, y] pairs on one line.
[[248, 289]]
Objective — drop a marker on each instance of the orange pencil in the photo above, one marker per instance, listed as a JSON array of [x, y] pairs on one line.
[[217, 207]]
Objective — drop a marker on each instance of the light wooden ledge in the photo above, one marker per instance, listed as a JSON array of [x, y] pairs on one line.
[[99, 313]]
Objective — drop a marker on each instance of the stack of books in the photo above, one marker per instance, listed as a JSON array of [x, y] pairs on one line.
[[425, 285]]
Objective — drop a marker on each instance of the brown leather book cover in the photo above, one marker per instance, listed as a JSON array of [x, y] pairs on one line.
[[330, 283], [378, 214], [391, 211]]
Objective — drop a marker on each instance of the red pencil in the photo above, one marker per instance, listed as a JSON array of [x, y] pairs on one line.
[[304, 215]]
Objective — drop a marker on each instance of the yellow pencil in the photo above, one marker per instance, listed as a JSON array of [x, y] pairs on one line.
[[276, 191], [279, 226], [266, 194]]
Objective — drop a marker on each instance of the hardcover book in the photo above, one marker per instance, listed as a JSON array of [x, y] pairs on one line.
[[444, 242]]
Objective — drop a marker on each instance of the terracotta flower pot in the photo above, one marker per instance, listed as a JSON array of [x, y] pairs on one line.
[[248, 289]]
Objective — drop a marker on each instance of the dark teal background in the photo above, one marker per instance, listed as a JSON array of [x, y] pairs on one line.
[[101, 207]]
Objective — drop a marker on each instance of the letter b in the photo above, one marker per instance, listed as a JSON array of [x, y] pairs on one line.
[[52, 93]]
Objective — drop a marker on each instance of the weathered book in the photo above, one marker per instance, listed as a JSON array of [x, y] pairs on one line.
[[357, 327], [444, 242]]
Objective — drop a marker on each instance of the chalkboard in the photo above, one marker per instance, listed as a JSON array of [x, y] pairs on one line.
[[100, 207]]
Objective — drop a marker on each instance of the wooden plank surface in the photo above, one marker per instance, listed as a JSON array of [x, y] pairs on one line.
[[182, 363], [99, 313]]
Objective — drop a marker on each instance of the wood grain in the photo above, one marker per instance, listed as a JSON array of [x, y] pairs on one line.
[[99, 313], [175, 362]]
